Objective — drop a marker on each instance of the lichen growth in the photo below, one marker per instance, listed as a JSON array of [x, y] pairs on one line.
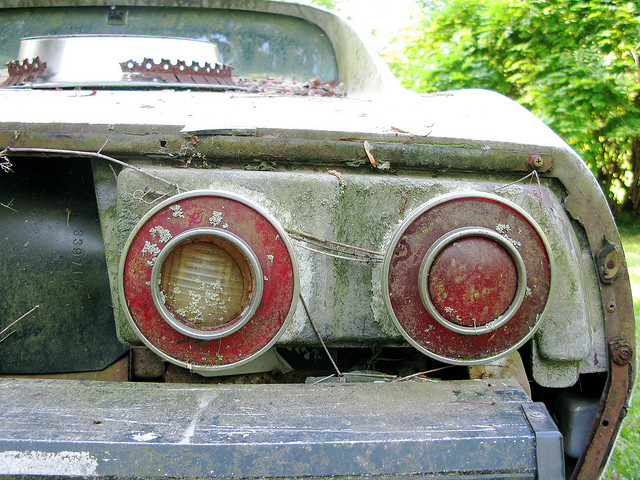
[[177, 211], [215, 219], [263, 166], [150, 248], [212, 297], [513, 242], [163, 234], [195, 309], [511, 190]]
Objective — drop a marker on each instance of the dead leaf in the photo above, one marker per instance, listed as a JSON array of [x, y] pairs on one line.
[[352, 139], [399, 130], [367, 150]]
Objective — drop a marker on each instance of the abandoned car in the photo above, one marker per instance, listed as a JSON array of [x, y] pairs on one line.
[[234, 247]]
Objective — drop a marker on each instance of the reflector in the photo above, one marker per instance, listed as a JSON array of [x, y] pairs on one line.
[[208, 280], [467, 277], [472, 280]]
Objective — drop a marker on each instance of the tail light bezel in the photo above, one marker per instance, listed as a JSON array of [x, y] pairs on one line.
[[431, 343], [240, 221]]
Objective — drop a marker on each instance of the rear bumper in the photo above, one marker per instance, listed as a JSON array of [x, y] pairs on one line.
[[469, 429]]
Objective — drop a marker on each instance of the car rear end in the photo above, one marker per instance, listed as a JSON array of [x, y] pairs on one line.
[[237, 274]]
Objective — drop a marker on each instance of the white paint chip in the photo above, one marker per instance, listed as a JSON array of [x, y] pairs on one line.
[[48, 463], [145, 437]]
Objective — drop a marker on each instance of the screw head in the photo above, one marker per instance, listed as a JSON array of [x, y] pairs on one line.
[[536, 162], [621, 352]]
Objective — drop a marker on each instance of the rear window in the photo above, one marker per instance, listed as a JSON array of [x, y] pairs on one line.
[[255, 44]]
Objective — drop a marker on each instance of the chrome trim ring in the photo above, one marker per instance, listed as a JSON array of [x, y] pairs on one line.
[[234, 325], [436, 248]]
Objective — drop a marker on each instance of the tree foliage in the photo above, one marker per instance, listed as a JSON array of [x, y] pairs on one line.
[[574, 64]]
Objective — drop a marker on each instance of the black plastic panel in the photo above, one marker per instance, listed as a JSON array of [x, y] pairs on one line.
[[52, 255]]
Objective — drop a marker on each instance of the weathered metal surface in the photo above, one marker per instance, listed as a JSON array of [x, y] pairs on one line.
[[53, 255], [253, 146], [608, 262], [463, 338], [248, 431], [509, 135], [207, 209], [366, 214], [586, 204], [611, 412], [549, 451]]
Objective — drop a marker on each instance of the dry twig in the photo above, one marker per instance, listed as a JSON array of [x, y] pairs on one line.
[[16, 321]]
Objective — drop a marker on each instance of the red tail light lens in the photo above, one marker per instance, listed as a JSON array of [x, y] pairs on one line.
[[468, 278], [472, 280], [208, 280]]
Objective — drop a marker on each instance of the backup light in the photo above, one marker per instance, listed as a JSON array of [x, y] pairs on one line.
[[207, 283]]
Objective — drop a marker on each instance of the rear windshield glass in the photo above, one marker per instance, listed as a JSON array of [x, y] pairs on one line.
[[255, 44]]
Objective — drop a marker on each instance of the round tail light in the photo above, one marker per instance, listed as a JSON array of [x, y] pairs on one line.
[[467, 278], [208, 280], [207, 283]]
